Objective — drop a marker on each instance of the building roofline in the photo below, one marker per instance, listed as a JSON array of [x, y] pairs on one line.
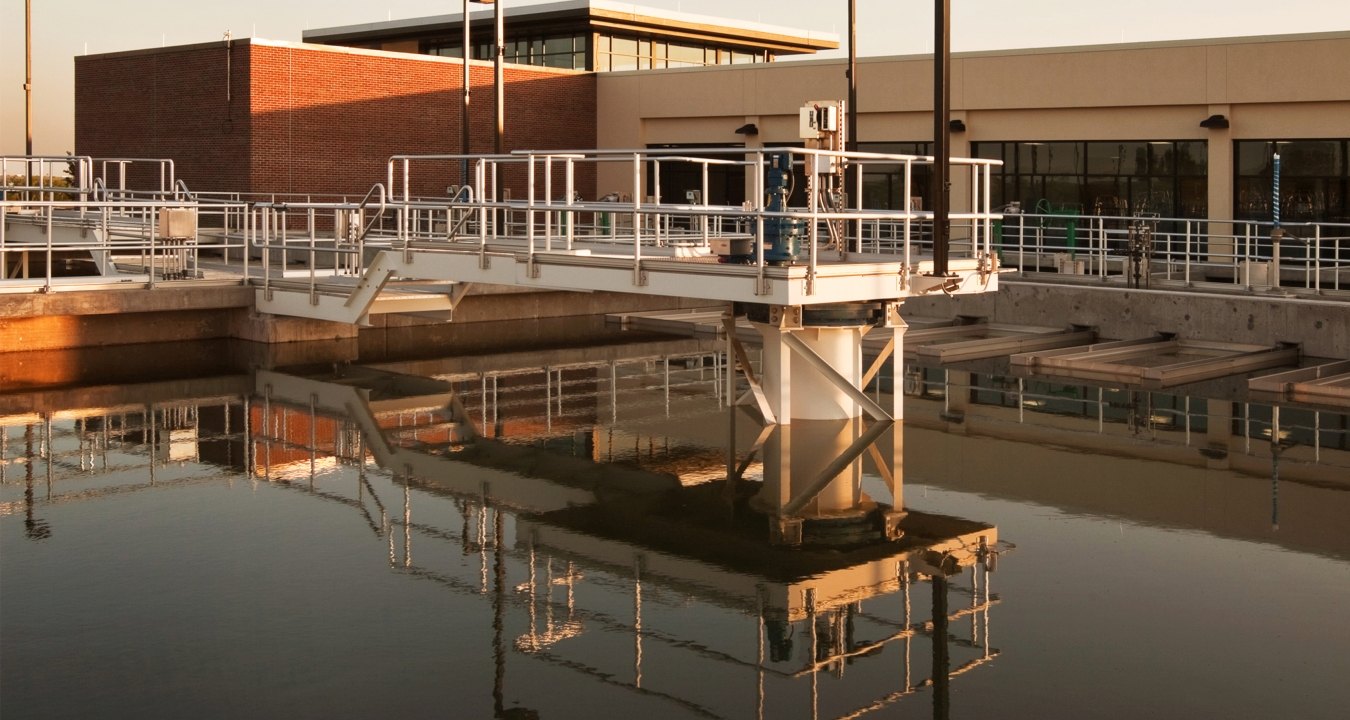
[[335, 49], [606, 12]]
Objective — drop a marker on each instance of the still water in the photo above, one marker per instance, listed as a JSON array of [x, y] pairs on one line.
[[540, 529]]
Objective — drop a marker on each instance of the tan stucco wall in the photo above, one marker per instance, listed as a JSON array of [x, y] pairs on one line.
[[1279, 87]]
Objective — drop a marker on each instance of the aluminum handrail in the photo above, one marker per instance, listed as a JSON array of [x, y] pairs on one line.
[[122, 227], [1187, 249]]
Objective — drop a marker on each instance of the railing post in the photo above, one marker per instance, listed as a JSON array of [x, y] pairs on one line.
[[1188, 253], [637, 219]]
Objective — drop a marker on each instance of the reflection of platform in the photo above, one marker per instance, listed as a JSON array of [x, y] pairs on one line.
[[692, 538], [1327, 385], [1155, 362]]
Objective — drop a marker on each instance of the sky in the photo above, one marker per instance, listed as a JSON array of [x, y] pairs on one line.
[[63, 29]]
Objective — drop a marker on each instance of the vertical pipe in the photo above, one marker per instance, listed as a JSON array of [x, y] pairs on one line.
[[852, 174], [941, 132], [498, 79], [464, 141], [28, 81]]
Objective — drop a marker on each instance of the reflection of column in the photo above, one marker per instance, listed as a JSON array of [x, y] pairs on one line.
[[1218, 432], [788, 474], [941, 661]]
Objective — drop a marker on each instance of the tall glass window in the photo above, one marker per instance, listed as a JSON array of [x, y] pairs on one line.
[[884, 184], [1163, 178], [1314, 180]]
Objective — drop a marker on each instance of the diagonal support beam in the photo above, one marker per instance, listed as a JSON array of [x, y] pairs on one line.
[[756, 390], [835, 467], [764, 434], [829, 373], [879, 363]]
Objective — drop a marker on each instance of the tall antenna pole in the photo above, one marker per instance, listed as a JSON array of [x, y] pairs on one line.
[[28, 75], [851, 139], [498, 79], [464, 117], [942, 150]]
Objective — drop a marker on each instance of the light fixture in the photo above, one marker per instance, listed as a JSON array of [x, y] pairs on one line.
[[957, 126], [1214, 122], [747, 129]]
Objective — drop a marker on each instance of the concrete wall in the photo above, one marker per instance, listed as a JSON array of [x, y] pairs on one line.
[[1269, 88], [1322, 328], [313, 118]]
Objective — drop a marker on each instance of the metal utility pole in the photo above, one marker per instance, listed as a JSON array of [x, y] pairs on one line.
[[28, 76], [851, 143], [940, 190], [498, 82], [850, 140], [464, 116]]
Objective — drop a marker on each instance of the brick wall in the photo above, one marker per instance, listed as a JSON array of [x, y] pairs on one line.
[[168, 103], [310, 119]]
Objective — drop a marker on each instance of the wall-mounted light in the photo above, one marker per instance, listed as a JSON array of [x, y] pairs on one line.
[[958, 126], [747, 129], [1214, 122]]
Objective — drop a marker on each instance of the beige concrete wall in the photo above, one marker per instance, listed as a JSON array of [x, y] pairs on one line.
[[1279, 87]]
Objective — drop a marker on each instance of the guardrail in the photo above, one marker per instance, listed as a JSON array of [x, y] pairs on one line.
[[1187, 252], [158, 239]]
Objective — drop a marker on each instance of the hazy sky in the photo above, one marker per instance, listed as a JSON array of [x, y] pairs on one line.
[[63, 29]]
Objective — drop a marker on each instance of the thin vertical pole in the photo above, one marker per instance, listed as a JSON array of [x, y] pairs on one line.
[[464, 142], [498, 81], [28, 79], [942, 103], [850, 139]]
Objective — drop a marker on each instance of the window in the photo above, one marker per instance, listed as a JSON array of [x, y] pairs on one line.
[[1165, 178], [1314, 181]]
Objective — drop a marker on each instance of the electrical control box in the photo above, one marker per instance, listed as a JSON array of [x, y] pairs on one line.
[[817, 118]]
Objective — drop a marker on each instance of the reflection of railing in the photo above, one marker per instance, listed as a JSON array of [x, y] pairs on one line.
[[1187, 421]]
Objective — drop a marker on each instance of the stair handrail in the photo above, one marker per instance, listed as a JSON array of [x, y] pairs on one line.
[[361, 207], [181, 191], [467, 192]]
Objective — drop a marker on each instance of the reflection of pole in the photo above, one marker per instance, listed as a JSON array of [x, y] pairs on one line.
[[1275, 468], [941, 662], [498, 622], [637, 623]]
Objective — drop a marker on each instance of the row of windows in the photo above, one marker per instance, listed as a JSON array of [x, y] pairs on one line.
[[1159, 177], [1166, 178], [559, 51], [633, 53], [612, 52]]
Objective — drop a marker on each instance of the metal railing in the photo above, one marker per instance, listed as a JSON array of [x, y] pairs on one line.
[[635, 221], [1312, 258], [147, 242]]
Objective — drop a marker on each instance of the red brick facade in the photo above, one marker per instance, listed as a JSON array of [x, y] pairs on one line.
[[314, 119]]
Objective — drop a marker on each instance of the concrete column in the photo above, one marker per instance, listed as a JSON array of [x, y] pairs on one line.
[[817, 397], [1220, 183]]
